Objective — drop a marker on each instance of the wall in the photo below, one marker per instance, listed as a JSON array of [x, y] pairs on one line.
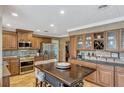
[[1, 45], [107, 27], [62, 48]]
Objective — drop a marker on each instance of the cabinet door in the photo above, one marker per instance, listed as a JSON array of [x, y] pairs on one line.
[[13, 43], [105, 75], [122, 39], [80, 42], [89, 41], [119, 76], [14, 66], [112, 40], [73, 47], [9, 40], [36, 43], [46, 40], [119, 79]]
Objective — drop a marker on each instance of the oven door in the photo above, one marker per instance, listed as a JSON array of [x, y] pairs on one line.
[[26, 66]]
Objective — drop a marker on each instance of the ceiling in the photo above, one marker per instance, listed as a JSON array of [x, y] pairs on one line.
[[33, 17]]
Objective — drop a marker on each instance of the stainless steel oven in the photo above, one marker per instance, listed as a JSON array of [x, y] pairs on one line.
[[26, 64]]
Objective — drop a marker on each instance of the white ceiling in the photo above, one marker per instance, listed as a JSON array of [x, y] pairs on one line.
[[32, 17]]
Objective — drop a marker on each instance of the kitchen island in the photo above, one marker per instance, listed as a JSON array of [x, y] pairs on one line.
[[70, 77]]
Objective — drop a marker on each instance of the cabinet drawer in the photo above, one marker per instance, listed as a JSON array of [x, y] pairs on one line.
[[119, 69], [88, 64], [101, 66]]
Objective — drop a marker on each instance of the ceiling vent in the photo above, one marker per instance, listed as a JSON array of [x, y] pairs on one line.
[[45, 31], [102, 6]]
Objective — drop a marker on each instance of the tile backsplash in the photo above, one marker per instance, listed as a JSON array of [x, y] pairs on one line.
[[102, 56], [19, 53]]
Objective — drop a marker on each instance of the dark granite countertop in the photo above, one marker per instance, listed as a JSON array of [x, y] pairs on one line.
[[70, 76], [102, 62]]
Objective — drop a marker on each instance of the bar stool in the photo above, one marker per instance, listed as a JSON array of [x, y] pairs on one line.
[[40, 76]]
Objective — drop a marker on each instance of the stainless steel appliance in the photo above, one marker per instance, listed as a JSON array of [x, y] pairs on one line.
[[24, 44], [26, 64], [49, 51]]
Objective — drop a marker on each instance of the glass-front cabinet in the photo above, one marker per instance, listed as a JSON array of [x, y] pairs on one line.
[[112, 40], [122, 39], [89, 41], [80, 42]]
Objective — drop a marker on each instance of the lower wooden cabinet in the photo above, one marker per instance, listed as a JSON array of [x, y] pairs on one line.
[[38, 58], [119, 76], [6, 82], [105, 75], [13, 65]]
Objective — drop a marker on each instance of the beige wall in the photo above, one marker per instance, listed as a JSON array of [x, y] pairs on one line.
[[62, 44], [0, 45], [107, 27]]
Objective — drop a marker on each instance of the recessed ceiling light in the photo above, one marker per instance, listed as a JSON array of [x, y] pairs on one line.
[[14, 14], [52, 25], [8, 25], [38, 30], [62, 12]]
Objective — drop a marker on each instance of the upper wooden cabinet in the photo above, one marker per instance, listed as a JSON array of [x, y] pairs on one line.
[[80, 41], [73, 47], [88, 41], [36, 41], [121, 35], [112, 40], [99, 41], [24, 35], [45, 40], [9, 40]]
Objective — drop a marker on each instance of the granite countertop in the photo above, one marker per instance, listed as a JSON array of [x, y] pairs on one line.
[[103, 62]]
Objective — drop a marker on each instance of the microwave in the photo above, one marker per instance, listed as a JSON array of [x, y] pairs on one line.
[[25, 44]]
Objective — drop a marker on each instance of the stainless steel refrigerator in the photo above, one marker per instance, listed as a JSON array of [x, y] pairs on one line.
[[49, 51]]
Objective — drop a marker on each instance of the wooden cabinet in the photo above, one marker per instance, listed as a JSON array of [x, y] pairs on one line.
[[45, 40], [121, 35], [112, 40], [38, 58], [99, 41], [24, 35], [36, 41], [73, 47], [9, 40], [80, 42], [105, 75], [13, 65], [119, 76], [6, 81]]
